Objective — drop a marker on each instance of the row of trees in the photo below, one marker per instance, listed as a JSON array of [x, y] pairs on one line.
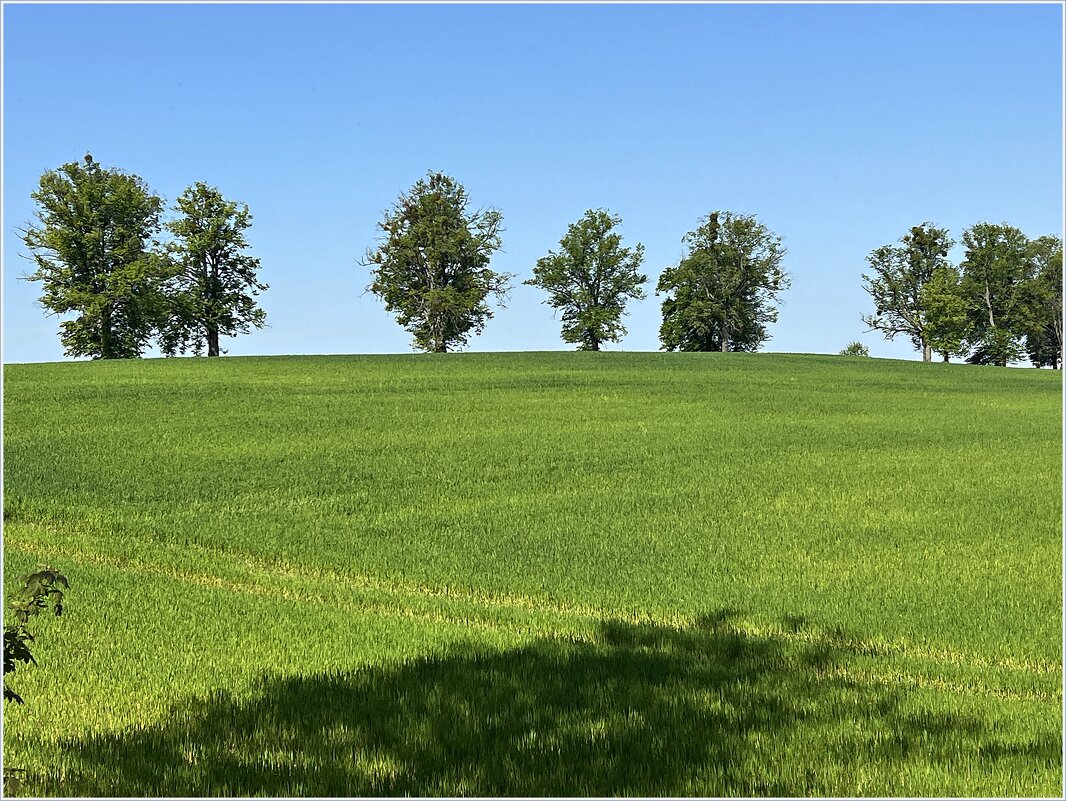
[[1003, 300], [98, 255], [431, 269]]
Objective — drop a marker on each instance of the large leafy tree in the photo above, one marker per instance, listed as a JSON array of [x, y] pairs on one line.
[[1043, 337], [96, 258], [899, 274], [213, 292], [723, 293], [946, 313], [996, 274], [432, 266], [590, 279]]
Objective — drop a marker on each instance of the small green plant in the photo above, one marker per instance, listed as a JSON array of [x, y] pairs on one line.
[[37, 590], [855, 349]]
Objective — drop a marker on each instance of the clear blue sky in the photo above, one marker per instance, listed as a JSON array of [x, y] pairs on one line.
[[838, 126]]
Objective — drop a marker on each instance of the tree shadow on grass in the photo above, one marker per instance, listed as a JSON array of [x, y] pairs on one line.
[[641, 710]]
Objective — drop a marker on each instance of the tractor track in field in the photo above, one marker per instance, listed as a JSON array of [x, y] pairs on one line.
[[484, 603]]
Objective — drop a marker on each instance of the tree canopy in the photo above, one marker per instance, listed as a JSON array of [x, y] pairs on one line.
[[432, 267], [996, 271], [590, 279], [214, 287], [96, 258], [899, 275], [723, 293], [1043, 337], [945, 312]]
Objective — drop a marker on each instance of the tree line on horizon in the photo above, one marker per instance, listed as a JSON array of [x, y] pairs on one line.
[[431, 269], [98, 256], [1003, 300]]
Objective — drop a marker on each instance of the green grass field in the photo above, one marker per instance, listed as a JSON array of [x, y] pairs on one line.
[[538, 574]]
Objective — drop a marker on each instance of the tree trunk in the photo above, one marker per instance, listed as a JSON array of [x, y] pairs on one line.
[[927, 352], [214, 302], [946, 359], [725, 338], [1056, 326], [106, 351]]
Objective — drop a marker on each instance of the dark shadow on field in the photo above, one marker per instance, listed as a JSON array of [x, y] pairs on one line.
[[642, 710]]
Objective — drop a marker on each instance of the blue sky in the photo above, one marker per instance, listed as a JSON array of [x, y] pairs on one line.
[[838, 126]]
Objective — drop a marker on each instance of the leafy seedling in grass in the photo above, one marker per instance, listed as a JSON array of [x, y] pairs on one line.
[[37, 591]]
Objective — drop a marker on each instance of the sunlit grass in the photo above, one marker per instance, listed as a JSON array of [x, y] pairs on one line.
[[879, 543]]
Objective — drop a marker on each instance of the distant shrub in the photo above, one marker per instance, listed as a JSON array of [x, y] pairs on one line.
[[855, 349]]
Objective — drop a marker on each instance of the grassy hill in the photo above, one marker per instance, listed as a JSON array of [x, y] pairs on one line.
[[539, 573]]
